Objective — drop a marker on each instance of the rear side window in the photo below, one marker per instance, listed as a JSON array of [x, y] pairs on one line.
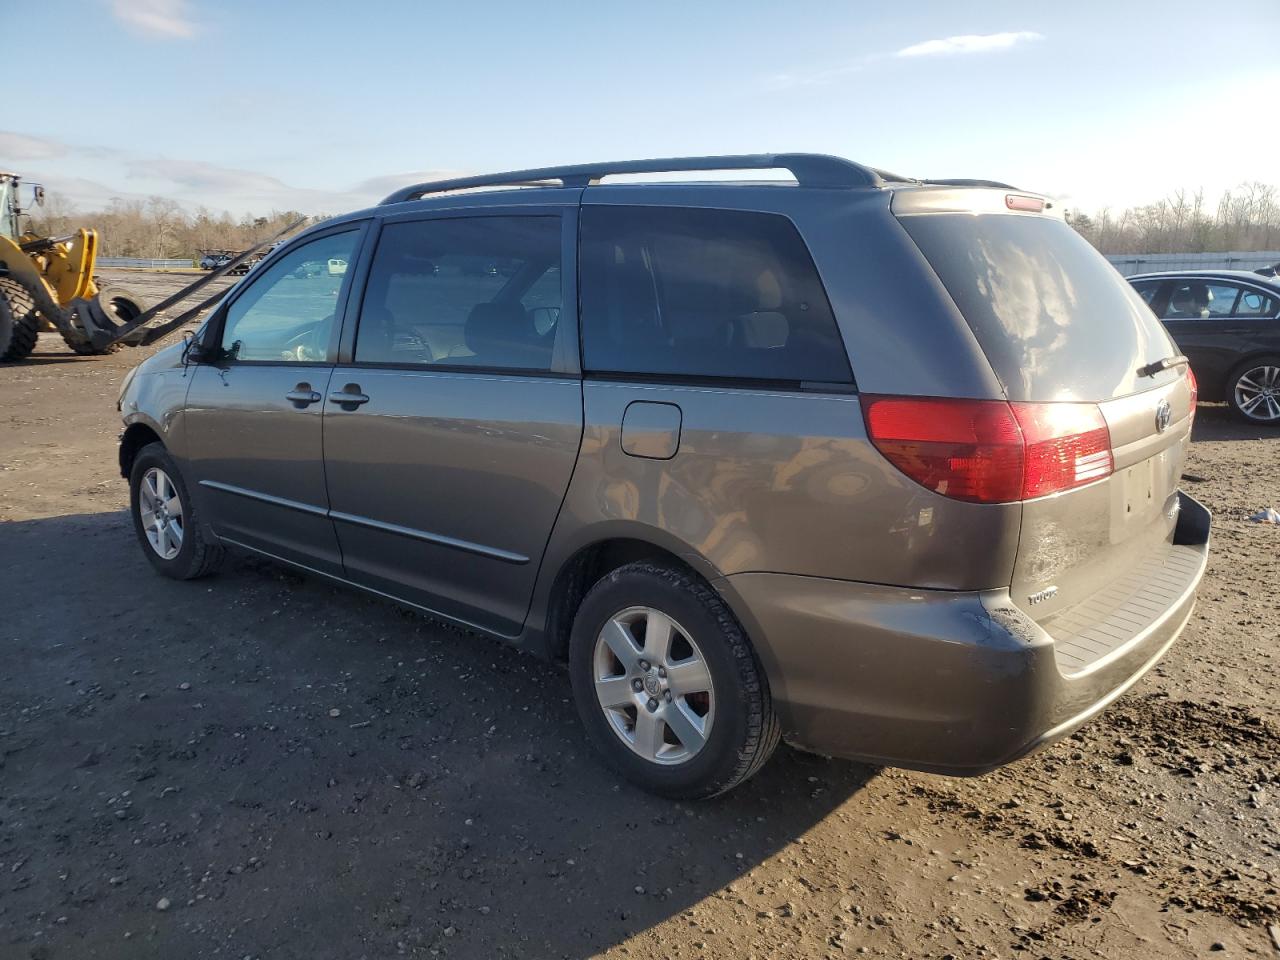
[[1205, 300], [467, 292], [1198, 300], [1255, 304], [678, 292]]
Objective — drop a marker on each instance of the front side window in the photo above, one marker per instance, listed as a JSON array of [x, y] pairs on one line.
[[468, 291], [704, 293], [287, 312], [1147, 289]]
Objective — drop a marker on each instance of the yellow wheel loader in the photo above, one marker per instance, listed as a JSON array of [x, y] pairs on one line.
[[47, 284]]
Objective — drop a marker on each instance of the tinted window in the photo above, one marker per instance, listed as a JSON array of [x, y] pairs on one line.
[[1052, 315], [1147, 290], [476, 291], [1199, 300], [287, 311], [1255, 304], [704, 293]]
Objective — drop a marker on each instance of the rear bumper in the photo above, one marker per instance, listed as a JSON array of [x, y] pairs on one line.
[[948, 682]]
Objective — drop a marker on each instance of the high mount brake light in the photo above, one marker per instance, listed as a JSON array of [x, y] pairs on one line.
[[1015, 201], [991, 451]]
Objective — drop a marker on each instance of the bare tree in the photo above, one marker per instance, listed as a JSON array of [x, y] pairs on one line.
[[1245, 218], [157, 227]]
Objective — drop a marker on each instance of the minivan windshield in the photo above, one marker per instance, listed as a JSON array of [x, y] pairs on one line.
[[1052, 315]]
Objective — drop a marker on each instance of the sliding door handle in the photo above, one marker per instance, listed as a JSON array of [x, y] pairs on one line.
[[349, 397]]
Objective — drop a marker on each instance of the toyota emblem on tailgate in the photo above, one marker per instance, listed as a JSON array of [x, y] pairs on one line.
[[1163, 415]]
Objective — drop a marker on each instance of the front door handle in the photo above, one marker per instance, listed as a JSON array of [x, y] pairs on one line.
[[349, 397], [302, 396]]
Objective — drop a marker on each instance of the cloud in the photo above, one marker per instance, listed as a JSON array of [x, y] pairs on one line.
[[200, 176], [814, 78], [381, 186], [90, 177], [968, 43], [161, 18], [19, 146]]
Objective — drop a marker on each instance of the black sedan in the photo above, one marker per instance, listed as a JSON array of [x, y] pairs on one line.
[[1227, 322]]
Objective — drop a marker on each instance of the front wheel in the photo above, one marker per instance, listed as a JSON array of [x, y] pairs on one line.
[[1253, 391], [667, 684], [19, 322], [165, 520]]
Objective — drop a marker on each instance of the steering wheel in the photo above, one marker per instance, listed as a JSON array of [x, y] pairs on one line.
[[306, 346]]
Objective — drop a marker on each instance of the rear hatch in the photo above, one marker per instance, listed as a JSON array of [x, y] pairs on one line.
[[1063, 332]]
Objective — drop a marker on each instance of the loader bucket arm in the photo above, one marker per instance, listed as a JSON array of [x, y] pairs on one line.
[[103, 331]]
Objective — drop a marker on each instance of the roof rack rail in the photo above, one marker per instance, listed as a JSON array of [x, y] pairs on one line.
[[809, 169]]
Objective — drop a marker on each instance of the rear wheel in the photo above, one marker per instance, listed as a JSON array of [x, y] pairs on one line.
[[19, 322], [667, 684], [1253, 391]]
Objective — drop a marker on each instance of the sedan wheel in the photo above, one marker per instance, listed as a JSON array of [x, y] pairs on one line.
[[1256, 393]]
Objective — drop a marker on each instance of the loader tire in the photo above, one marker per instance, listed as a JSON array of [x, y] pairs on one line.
[[121, 306], [19, 322]]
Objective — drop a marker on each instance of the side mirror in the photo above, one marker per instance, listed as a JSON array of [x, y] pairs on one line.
[[37, 194], [195, 351]]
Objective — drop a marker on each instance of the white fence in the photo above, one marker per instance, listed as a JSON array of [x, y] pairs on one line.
[[1130, 263], [145, 263]]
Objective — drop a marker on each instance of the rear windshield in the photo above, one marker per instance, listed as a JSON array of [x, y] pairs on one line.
[[1054, 318]]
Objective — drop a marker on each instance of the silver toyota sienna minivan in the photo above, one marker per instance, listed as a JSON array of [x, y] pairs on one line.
[[885, 468]]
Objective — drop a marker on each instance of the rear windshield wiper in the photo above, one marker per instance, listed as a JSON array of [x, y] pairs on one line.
[[1151, 369]]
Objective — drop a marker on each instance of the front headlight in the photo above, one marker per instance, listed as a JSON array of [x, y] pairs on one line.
[[124, 386]]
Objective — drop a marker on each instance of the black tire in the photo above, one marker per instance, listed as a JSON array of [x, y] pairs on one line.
[[19, 322], [120, 306], [197, 557], [1233, 380], [744, 730]]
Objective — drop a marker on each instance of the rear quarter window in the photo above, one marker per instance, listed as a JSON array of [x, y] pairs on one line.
[[692, 293]]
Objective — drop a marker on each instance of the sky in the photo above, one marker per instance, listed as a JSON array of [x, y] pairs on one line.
[[326, 106]]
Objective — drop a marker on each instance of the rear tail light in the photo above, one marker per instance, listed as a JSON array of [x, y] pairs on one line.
[[1195, 391], [991, 451]]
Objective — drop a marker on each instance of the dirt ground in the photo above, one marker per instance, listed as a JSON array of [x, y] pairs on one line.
[[264, 765]]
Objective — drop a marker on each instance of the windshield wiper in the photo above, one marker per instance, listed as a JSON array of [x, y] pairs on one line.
[[1151, 369]]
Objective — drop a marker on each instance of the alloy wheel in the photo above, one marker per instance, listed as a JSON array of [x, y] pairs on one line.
[[654, 686], [160, 509], [1257, 393]]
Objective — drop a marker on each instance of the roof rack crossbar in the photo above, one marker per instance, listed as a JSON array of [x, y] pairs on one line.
[[809, 169]]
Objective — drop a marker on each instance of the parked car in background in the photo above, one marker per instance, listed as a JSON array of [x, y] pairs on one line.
[[886, 468], [212, 261], [1227, 322]]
